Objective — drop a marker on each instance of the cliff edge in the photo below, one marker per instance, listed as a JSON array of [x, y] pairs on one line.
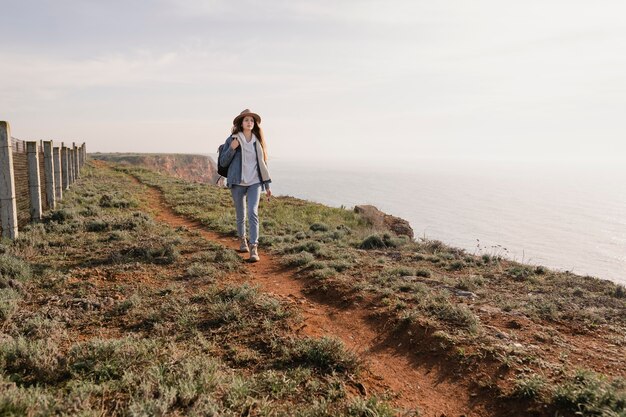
[[190, 167]]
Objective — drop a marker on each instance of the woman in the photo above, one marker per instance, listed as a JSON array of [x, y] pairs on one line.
[[245, 156]]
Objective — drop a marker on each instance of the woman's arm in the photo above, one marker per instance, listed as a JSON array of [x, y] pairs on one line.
[[227, 152]]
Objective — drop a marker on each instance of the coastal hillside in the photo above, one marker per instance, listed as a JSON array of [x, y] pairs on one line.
[[190, 167], [129, 299]]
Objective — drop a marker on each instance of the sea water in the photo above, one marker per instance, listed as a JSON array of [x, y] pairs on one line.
[[564, 216]]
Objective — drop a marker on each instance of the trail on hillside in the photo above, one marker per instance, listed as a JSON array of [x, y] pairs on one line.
[[390, 368]]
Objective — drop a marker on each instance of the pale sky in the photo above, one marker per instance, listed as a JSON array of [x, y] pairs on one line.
[[348, 79]]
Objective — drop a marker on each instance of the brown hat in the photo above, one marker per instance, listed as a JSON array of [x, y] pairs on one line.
[[245, 113]]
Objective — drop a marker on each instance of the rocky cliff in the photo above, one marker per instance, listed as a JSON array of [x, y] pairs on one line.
[[197, 168]]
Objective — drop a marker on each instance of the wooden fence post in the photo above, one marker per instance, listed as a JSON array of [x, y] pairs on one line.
[[49, 166], [8, 208], [58, 182], [76, 162], [70, 167], [65, 173], [73, 164], [34, 184]]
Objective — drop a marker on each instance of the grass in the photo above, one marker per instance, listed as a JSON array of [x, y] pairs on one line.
[[326, 355], [105, 311], [590, 394], [529, 387], [298, 259], [413, 284]]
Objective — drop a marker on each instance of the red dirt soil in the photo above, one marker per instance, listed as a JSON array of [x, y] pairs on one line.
[[413, 383]]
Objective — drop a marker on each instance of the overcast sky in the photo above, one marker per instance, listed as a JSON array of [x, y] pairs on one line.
[[351, 79]]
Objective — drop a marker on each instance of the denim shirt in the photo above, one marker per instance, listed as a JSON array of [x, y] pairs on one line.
[[233, 157]]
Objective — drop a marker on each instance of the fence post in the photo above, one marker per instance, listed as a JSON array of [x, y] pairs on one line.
[[80, 157], [34, 184], [70, 167], [49, 167], [76, 162], [65, 167], [58, 182], [73, 164], [8, 208]]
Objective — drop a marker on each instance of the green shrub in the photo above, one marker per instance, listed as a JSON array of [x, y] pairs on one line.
[[41, 327], [12, 267], [90, 211], [373, 242], [318, 265], [319, 227], [529, 387], [326, 355], [443, 309], [107, 201], [96, 226], [340, 266], [402, 271], [520, 273], [158, 253], [590, 394], [422, 272], [227, 258], [181, 390], [243, 292], [322, 273], [310, 246], [545, 309], [104, 360], [126, 305], [298, 259], [24, 401], [470, 283], [433, 246], [199, 269], [118, 235], [27, 361], [136, 221], [9, 299], [60, 216], [366, 407], [456, 265]]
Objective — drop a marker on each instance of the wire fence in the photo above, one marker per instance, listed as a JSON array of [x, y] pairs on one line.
[[33, 176]]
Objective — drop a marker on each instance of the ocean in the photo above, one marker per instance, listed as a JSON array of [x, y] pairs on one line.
[[566, 217]]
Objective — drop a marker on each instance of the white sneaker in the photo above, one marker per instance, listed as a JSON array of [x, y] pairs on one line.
[[243, 245], [254, 253]]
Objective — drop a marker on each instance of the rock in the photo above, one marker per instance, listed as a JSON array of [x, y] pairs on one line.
[[462, 293], [491, 310], [381, 220]]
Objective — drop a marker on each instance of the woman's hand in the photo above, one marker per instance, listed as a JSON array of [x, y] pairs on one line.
[[269, 194], [234, 144]]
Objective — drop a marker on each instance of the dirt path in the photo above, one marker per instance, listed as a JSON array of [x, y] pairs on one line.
[[389, 370]]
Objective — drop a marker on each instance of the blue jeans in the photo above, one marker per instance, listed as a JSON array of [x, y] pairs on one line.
[[253, 193]]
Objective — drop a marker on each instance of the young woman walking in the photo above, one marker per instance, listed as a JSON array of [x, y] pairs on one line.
[[245, 156]]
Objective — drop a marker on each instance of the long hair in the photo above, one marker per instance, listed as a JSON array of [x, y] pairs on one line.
[[258, 132]]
